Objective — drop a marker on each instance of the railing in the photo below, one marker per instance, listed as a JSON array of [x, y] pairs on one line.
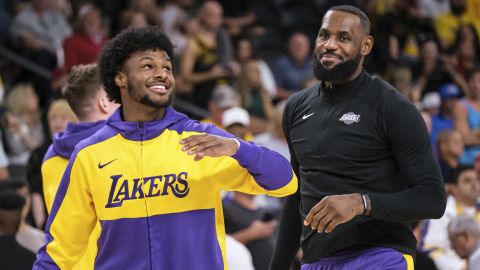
[[25, 62]]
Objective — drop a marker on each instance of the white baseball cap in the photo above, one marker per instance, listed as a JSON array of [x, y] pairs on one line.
[[431, 100], [235, 115]]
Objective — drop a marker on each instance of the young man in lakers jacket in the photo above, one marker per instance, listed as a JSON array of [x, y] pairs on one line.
[[85, 95], [89, 102], [152, 176]]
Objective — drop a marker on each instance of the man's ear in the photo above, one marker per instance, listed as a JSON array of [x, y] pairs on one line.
[[120, 79], [103, 104], [367, 45]]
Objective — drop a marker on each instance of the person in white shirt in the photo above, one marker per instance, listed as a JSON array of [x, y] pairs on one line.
[[464, 186], [464, 234]]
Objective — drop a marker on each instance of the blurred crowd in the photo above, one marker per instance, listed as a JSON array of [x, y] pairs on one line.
[[236, 64]]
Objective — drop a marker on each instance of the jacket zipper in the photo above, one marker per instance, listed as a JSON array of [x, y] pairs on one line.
[[142, 134]]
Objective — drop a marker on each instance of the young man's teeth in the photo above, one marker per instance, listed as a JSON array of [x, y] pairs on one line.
[[158, 87]]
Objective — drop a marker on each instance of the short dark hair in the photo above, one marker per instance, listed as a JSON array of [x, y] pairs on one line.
[[455, 173], [82, 87], [472, 73], [364, 21], [10, 200], [116, 52], [12, 185]]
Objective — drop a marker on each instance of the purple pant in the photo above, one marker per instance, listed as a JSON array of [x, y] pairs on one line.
[[371, 258]]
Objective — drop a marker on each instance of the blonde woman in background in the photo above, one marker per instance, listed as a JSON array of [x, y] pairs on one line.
[[59, 114], [255, 98], [24, 131]]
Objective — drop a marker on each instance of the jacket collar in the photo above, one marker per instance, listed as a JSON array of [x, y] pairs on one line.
[[140, 131], [64, 143], [340, 91]]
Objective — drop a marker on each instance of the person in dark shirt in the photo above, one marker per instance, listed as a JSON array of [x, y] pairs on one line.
[[14, 256], [363, 156]]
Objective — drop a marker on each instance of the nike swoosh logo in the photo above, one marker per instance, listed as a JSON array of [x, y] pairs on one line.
[[100, 166], [307, 115]]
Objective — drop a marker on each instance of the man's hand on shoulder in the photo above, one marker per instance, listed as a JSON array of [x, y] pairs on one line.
[[209, 145]]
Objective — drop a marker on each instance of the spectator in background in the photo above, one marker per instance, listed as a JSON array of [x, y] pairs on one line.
[[428, 106], [84, 45], [24, 131], [244, 220], [403, 21], [429, 70], [58, 115], [295, 67], [255, 98], [14, 256], [467, 118], [464, 187], [449, 95], [274, 138], [27, 236], [208, 57], [431, 103], [389, 65], [236, 121], [133, 19], [238, 16], [448, 23], [39, 31], [4, 174], [464, 54], [238, 256], [464, 234], [245, 51], [422, 259], [433, 8], [223, 97], [449, 148], [148, 7], [252, 226], [177, 22]]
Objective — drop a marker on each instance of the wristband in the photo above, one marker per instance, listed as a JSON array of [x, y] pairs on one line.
[[238, 143], [365, 204]]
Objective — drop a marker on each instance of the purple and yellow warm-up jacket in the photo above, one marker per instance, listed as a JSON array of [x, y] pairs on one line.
[[56, 159], [157, 207], [53, 167]]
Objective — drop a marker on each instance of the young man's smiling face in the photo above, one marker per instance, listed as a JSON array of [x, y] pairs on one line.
[[146, 79]]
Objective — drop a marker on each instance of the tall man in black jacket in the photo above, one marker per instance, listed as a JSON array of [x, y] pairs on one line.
[[363, 157]]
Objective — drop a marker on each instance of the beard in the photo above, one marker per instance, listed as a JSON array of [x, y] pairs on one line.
[[338, 73], [146, 100]]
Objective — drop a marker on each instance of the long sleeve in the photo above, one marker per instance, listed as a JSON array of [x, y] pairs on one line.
[[411, 148], [253, 169], [289, 232], [290, 228], [269, 169]]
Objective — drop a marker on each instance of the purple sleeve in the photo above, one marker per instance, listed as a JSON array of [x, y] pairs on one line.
[[269, 169]]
